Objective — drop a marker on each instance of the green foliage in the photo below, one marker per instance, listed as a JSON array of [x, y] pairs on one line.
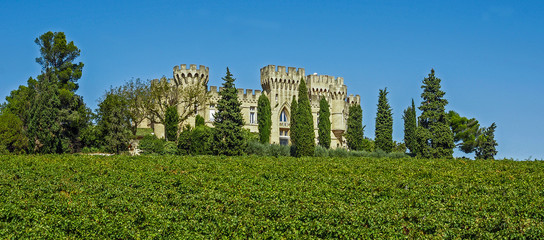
[[170, 148], [229, 138], [368, 145], [384, 123], [57, 56], [410, 126], [324, 124], [171, 122], [305, 134], [98, 197], [185, 140], [199, 121], [292, 125], [255, 147], [44, 126], [12, 137], [202, 140], [434, 136], [486, 143], [137, 94], [114, 121], [91, 137], [354, 133], [151, 144], [264, 118], [465, 131]]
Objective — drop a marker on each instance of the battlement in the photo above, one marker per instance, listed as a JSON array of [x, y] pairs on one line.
[[191, 75], [244, 95], [353, 99]]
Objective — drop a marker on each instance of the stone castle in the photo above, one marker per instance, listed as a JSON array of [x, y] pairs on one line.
[[279, 85]]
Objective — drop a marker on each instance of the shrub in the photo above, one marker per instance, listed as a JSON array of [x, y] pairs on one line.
[[338, 152], [170, 148], [321, 151], [277, 150], [256, 148], [201, 140], [151, 144]]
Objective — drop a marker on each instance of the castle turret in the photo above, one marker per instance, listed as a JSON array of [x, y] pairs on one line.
[[184, 76]]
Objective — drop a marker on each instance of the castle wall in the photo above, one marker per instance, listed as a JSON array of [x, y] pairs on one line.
[[279, 84]]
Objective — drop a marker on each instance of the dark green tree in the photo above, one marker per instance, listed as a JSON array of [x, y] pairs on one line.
[[229, 138], [264, 118], [465, 131], [114, 121], [292, 126], [384, 123], [44, 126], [199, 121], [410, 126], [324, 124], [171, 122], [12, 135], [486, 143], [434, 135], [305, 143], [355, 130], [57, 56]]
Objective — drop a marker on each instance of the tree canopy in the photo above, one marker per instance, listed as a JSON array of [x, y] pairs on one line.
[[384, 123]]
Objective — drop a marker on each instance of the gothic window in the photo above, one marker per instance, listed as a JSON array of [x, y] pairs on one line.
[[283, 116]]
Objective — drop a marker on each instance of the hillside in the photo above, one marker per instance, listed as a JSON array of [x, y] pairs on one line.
[[71, 196]]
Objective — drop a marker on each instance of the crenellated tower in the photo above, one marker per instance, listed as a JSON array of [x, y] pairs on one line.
[[184, 76]]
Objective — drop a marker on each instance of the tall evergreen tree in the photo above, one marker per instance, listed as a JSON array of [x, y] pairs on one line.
[[171, 122], [264, 118], [434, 135], [229, 137], [487, 145], [324, 124], [384, 123], [466, 131], [410, 125], [292, 126], [114, 121], [355, 130], [305, 143]]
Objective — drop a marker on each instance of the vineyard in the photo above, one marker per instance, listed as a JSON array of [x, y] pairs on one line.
[[122, 197]]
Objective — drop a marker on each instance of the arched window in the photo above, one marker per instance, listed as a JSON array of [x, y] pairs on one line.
[[283, 116]]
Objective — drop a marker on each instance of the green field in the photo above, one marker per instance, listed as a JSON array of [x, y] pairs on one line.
[[121, 197]]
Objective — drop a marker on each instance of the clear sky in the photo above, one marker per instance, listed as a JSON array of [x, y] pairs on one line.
[[489, 54]]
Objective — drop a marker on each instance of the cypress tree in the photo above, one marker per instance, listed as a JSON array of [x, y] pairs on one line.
[[264, 118], [434, 135], [410, 125], [171, 122], [384, 123], [487, 144], [324, 124], [229, 137], [355, 130], [305, 142], [292, 125]]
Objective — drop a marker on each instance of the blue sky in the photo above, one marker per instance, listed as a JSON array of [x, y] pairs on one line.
[[489, 54]]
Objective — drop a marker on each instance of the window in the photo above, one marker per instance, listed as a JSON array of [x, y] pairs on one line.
[[276, 97], [283, 116], [251, 115], [212, 113]]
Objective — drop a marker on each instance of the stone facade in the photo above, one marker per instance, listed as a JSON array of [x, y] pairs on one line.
[[279, 84]]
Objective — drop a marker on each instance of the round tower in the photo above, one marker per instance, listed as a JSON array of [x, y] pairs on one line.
[[184, 76]]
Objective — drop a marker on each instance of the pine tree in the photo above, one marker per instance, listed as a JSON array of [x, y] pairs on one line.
[[229, 137], [355, 130], [384, 123], [487, 145], [410, 125], [171, 122], [305, 142], [264, 118], [434, 135], [324, 124]]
